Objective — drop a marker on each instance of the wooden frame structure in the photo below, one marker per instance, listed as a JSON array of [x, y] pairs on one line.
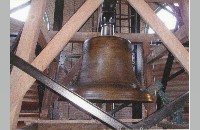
[[21, 82]]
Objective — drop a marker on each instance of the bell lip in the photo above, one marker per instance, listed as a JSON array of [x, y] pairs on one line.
[[126, 94], [129, 42]]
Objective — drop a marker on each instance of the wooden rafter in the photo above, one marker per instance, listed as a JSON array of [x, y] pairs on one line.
[[22, 82], [169, 40]]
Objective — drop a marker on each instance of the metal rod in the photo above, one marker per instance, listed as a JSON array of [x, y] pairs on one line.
[[74, 98]]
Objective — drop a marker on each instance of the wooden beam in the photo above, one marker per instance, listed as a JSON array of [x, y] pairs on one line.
[[65, 34], [25, 50], [169, 40], [45, 32], [49, 95], [170, 125], [71, 121], [44, 37], [66, 80], [160, 51], [157, 53], [23, 82], [42, 41], [133, 37], [138, 37]]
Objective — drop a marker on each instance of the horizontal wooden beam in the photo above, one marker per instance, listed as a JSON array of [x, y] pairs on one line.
[[159, 51], [71, 121], [133, 37]]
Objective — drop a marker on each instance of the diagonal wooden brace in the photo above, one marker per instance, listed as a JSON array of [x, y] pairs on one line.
[[168, 38], [41, 62]]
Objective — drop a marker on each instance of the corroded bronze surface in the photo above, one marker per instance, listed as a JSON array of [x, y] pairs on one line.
[[106, 73]]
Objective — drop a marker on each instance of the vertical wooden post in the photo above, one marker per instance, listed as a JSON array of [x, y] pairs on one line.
[[26, 50], [168, 38]]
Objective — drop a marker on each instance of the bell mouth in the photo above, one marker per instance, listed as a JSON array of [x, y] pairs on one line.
[[105, 93]]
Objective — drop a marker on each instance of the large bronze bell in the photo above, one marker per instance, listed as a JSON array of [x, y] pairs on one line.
[[106, 74]]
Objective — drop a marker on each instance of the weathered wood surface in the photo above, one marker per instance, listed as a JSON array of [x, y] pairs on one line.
[[26, 50]]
